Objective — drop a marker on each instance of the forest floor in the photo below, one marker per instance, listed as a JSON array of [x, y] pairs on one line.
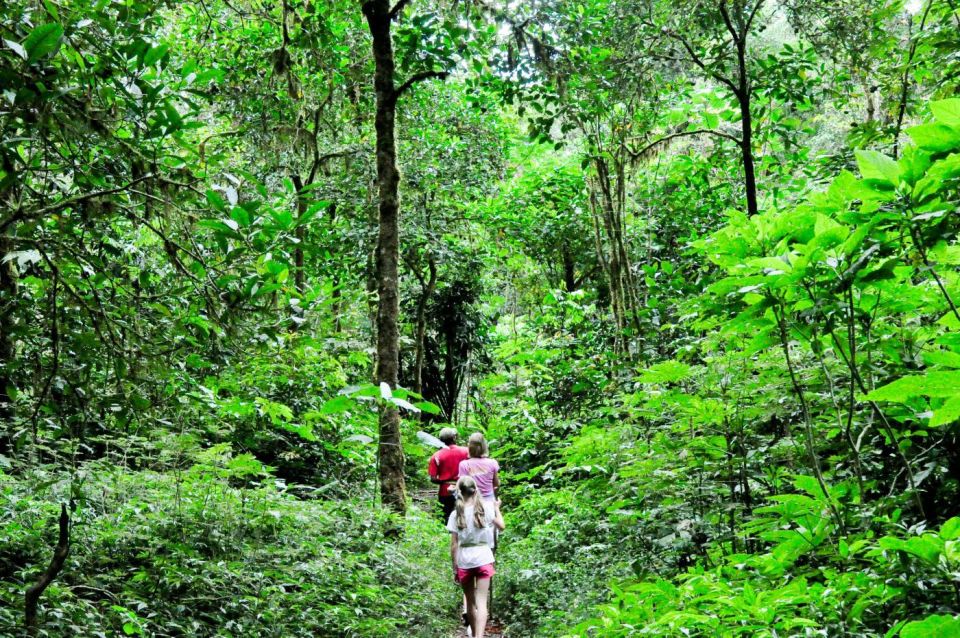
[[494, 630], [426, 500]]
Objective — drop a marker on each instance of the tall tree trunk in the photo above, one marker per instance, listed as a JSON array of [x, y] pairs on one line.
[[379, 17], [299, 276], [335, 307], [392, 486], [746, 123], [8, 295], [622, 289], [746, 146], [429, 286], [610, 268]]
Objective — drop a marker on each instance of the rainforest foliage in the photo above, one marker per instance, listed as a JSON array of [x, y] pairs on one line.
[[692, 266]]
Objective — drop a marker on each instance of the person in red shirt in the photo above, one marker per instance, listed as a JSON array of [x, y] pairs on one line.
[[444, 469]]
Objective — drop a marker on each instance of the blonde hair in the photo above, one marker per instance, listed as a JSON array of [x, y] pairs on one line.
[[477, 445], [467, 488]]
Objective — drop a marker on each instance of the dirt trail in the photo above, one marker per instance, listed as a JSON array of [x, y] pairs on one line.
[[494, 630]]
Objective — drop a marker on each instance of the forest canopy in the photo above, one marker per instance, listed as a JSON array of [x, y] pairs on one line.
[[692, 267]]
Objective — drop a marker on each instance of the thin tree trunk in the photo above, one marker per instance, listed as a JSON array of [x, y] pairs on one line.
[[335, 307], [746, 147], [299, 276], [429, 286], [620, 271], [392, 484], [32, 597], [746, 123], [605, 264], [805, 412], [8, 294], [569, 271], [905, 80]]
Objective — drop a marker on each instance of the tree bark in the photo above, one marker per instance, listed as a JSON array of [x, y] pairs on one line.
[[335, 307], [429, 286], [392, 484], [299, 276], [379, 17], [746, 123], [746, 146], [622, 289], [8, 295]]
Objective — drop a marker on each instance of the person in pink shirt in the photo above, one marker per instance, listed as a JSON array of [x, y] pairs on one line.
[[480, 467]]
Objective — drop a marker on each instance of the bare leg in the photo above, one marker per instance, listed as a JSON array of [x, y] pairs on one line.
[[470, 596], [480, 593]]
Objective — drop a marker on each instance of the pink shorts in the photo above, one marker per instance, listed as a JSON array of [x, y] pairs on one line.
[[484, 571]]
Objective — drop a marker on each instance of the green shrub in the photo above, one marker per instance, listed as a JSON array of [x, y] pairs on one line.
[[157, 555]]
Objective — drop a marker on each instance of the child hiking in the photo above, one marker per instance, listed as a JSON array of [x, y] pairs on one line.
[[471, 528]]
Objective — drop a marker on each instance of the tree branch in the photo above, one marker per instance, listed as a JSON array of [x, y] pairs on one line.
[[68, 202], [753, 14], [32, 597], [397, 8], [54, 346], [416, 79], [729, 24], [700, 63], [639, 153]]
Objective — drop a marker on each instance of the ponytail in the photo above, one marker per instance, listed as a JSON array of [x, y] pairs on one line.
[[467, 491]]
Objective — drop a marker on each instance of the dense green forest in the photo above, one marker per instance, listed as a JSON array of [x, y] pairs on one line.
[[691, 266]]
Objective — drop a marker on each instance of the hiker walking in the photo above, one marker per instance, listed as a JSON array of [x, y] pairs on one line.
[[444, 469], [484, 470], [471, 526]]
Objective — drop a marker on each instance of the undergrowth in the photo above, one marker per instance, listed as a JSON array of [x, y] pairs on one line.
[[219, 549]]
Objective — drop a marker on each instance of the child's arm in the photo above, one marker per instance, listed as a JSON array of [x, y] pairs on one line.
[[454, 546], [498, 517]]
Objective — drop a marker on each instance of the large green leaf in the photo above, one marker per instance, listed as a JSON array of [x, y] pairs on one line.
[[932, 627], [665, 372], [927, 547], [947, 111], [951, 529], [935, 137], [42, 40], [877, 166], [947, 413], [940, 384]]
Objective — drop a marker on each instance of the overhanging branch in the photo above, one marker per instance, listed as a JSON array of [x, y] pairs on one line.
[[397, 8], [703, 65], [639, 153], [68, 202], [416, 79]]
